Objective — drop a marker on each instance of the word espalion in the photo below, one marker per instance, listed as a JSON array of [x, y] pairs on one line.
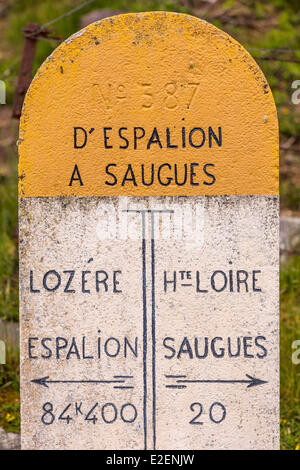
[[138, 138]]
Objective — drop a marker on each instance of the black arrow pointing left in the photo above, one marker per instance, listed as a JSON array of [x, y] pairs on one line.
[[44, 381]]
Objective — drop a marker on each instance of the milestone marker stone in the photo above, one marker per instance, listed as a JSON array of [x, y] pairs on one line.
[[149, 242]]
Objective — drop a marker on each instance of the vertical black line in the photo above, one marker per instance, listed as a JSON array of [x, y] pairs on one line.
[[153, 325], [153, 331], [144, 328]]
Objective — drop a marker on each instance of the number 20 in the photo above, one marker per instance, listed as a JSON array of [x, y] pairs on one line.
[[196, 406]]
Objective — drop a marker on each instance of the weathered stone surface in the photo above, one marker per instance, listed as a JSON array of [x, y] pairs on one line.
[[289, 235], [232, 233], [9, 441]]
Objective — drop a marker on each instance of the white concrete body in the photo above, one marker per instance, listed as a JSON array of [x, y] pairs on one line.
[[138, 329]]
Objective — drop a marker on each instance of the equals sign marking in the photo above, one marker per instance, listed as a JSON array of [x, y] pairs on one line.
[[123, 387], [176, 377]]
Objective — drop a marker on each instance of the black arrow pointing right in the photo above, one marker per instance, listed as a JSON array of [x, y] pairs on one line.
[[251, 381]]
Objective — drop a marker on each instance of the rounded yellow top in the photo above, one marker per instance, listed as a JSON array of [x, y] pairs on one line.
[[149, 104]]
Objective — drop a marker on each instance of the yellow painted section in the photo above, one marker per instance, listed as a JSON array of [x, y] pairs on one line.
[[158, 74]]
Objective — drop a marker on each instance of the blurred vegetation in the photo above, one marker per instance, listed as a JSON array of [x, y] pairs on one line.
[[8, 245], [262, 27], [289, 372], [9, 392]]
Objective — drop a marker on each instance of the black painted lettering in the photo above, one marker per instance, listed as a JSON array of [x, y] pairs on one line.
[[31, 288], [76, 176], [31, 347], [108, 172], [210, 175], [80, 137], [137, 136], [107, 137], [170, 348], [126, 145], [199, 144]]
